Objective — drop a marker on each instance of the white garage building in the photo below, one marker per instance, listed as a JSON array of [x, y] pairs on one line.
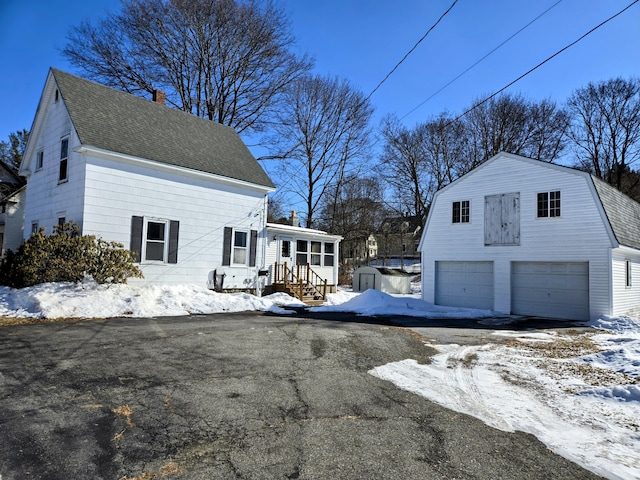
[[520, 236]]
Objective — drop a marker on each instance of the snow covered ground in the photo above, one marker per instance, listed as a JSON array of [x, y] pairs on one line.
[[579, 393]]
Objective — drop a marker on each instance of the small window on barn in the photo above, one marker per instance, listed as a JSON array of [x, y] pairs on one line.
[[461, 212], [628, 279], [549, 204]]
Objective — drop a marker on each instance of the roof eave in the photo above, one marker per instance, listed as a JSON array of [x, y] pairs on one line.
[[172, 168]]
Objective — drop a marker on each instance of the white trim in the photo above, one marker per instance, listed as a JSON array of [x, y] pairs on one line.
[[165, 251]]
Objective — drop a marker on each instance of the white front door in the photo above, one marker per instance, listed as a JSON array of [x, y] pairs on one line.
[[287, 251]]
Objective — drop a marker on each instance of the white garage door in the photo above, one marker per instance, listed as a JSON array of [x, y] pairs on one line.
[[464, 284], [554, 290]]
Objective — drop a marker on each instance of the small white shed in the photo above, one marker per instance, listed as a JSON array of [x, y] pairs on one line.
[[387, 280]]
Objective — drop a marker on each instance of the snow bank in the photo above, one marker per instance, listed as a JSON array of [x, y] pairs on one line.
[[89, 300], [373, 302]]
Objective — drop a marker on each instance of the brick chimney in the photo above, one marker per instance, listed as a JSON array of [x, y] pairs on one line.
[[159, 97], [293, 221]]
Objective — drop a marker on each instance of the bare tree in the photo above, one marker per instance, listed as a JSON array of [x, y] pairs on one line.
[[606, 130], [321, 130], [354, 212], [418, 162], [225, 60], [510, 123]]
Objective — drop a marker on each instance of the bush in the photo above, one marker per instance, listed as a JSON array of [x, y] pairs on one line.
[[67, 256]]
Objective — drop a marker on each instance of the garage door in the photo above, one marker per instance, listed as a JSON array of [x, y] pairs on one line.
[[554, 290], [464, 284]]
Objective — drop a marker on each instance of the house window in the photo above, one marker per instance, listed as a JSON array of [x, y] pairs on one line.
[[240, 245], [302, 249], [39, 160], [64, 156], [628, 280], [57, 96], [316, 254], [460, 213], [34, 227], [62, 220], [549, 204], [154, 240], [328, 254]]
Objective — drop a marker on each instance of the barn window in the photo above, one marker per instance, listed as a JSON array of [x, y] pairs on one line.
[[460, 213], [549, 204]]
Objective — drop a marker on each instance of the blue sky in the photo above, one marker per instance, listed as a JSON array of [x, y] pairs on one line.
[[362, 40]]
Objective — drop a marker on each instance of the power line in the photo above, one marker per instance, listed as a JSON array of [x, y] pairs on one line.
[[481, 59], [411, 51], [544, 61]]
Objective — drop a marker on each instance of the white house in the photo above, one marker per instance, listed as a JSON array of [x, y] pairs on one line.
[[297, 254], [185, 194], [520, 236]]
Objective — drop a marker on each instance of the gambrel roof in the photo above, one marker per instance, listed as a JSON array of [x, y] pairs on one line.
[[119, 122], [620, 212], [623, 213]]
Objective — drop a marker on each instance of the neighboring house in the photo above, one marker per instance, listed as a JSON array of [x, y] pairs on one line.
[[11, 209], [360, 250], [387, 280], [520, 236], [301, 258], [183, 193], [397, 241]]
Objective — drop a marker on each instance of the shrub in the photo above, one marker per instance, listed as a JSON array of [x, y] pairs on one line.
[[67, 256]]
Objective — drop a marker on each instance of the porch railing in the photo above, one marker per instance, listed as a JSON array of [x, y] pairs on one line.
[[301, 280]]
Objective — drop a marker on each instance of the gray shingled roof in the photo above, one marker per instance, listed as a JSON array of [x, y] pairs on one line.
[[623, 213], [120, 122]]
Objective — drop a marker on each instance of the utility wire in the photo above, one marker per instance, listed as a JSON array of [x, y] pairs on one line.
[[411, 51], [482, 59], [544, 61]]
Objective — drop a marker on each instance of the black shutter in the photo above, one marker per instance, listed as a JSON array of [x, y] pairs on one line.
[[174, 227], [226, 247], [136, 237], [253, 246]]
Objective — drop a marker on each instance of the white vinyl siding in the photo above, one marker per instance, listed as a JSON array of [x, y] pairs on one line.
[[625, 297], [116, 191], [579, 235]]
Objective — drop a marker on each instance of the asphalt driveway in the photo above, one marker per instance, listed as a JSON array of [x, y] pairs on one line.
[[238, 396]]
